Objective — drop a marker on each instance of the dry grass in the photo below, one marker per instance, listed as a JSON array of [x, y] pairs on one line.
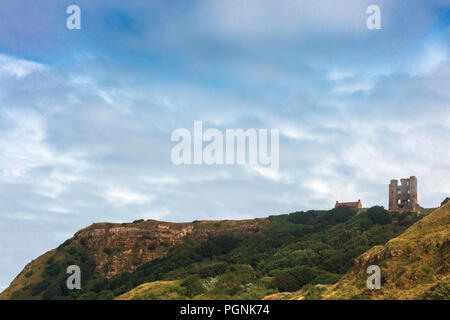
[[422, 262]]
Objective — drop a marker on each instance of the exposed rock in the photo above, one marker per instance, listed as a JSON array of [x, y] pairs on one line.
[[369, 259], [122, 248]]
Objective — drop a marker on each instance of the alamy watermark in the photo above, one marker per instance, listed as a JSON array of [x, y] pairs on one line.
[[233, 146], [74, 280], [74, 20], [374, 281], [374, 20]]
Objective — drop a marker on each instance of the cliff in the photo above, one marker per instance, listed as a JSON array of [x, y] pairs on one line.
[[310, 255], [116, 248]]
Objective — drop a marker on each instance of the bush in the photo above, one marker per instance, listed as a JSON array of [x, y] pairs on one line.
[[326, 278], [231, 283], [440, 291], [218, 245], [39, 287], [52, 292], [213, 270], [379, 215], [342, 214], [293, 279], [193, 285], [65, 244], [53, 269]]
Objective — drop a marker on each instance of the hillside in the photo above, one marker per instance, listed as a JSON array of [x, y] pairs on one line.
[[104, 250], [248, 259], [414, 265]]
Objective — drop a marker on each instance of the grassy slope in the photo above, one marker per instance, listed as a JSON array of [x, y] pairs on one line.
[[27, 277], [411, 263], [35, 272], [163, 290], [283, 245], [260, 287]]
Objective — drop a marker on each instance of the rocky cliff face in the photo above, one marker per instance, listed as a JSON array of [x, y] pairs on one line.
[[118, 248], [124, 247], [374, 258]]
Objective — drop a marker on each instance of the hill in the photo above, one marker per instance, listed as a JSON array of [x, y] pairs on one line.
[[248, 259], [104, 250], [414, 265]]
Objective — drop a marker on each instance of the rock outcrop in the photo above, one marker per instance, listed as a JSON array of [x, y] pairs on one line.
[[124, 247], [368, 259]]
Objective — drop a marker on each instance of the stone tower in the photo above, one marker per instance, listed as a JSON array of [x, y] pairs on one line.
[[403, 197]]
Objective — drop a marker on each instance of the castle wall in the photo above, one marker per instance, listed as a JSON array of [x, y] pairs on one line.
[[403, 197]]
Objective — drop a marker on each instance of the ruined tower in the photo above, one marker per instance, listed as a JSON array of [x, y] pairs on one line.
[[403, 197]]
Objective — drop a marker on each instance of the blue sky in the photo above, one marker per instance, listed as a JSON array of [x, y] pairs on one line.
[[86, 115]]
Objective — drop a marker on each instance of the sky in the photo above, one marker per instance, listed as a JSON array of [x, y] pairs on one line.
[[86, 115]]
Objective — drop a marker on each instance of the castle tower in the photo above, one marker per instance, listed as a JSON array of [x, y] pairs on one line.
[[403, 197]]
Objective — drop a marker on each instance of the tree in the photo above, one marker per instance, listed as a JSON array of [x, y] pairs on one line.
[[193, 285], [379, 215]]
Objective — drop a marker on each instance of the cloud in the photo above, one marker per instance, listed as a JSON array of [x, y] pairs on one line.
[[122, 196], [17, 67], [86, 118], [335, 75], [250, 18], [433, 57]]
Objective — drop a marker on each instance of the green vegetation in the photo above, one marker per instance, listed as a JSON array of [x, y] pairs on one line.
[[415, 265], [294, 251], [440, 291]]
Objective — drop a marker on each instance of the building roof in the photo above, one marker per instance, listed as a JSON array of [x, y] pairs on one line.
[[347, 204]]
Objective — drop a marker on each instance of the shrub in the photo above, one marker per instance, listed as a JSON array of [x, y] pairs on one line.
[[293, 279], [441, 291], [218, 245], [342, 214], [213, 270], [39, 287], [193, 285], [53, 269], [52, 292], [379, 215]]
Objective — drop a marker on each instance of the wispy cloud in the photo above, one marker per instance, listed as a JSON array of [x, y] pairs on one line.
[[86, 117], [17, 68]]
